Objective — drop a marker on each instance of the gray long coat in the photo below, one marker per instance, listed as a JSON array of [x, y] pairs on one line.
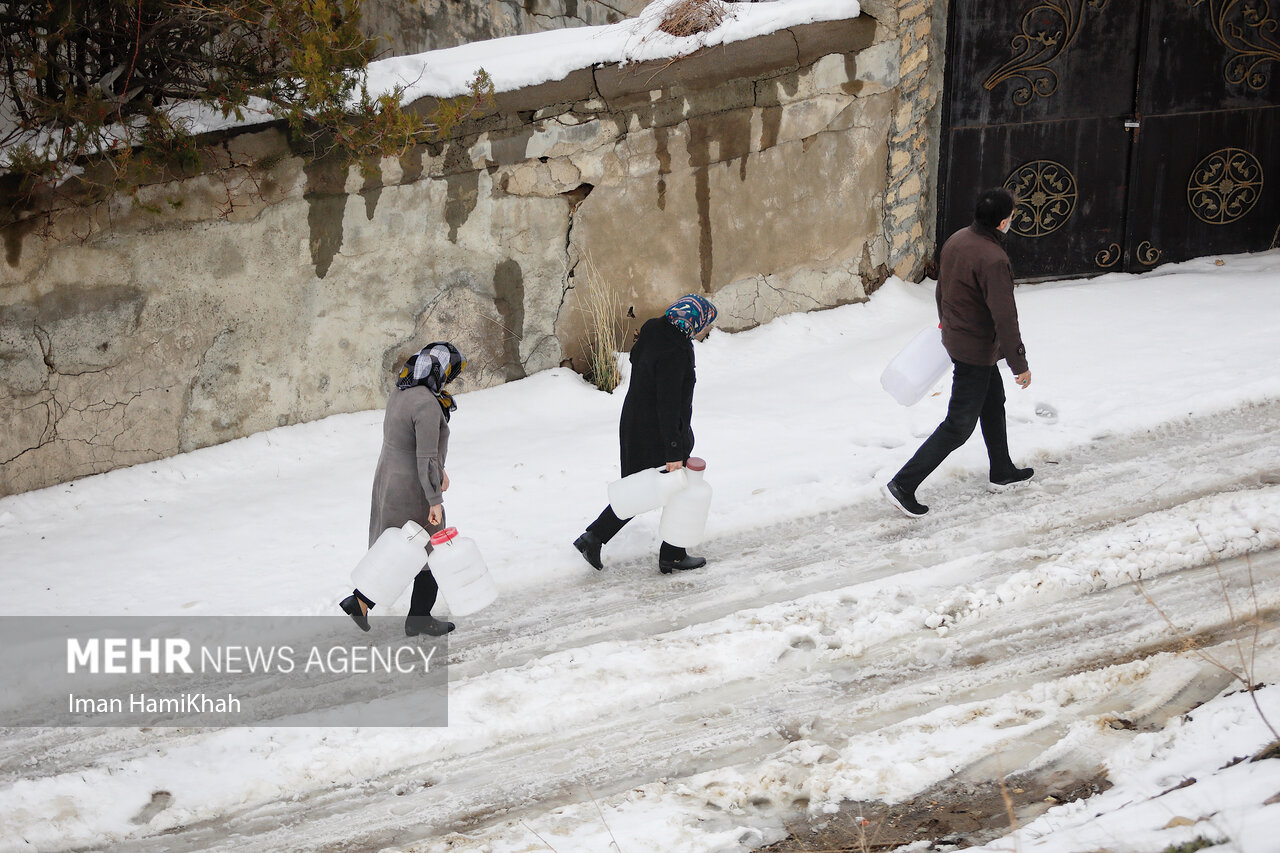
[[415, 440]]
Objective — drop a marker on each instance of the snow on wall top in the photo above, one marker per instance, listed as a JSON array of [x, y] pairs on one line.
[[515, 62]]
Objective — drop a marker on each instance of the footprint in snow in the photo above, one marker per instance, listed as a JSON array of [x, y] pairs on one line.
[[160, 801]]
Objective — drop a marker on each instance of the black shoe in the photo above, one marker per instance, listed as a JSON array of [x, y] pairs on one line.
[[684, 564], [589, 545], [1018, 475], [904, 500], [428, 624], [351, 605]]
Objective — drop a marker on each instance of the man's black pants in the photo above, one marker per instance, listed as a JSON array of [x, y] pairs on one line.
[[977, 396], [608, 524]]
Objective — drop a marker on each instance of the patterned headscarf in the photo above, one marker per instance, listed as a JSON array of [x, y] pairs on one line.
[[435, 366], [691, 314]]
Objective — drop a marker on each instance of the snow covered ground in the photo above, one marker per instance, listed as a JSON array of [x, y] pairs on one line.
[[832, 651]]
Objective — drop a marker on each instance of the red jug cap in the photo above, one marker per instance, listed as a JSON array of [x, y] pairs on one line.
[[696, 463], [444, 535]]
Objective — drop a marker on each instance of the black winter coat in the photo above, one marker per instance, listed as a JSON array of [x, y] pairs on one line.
[[656, 415]]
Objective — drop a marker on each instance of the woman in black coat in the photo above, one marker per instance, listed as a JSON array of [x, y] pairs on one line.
[[654, 429]]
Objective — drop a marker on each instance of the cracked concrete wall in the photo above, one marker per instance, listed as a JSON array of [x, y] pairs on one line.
[[760, 178], [165, 333], [762, 173], [771, 204]]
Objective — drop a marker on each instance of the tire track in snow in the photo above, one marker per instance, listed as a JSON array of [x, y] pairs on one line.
[[1105, 485], [1108, 482], [747, 721]]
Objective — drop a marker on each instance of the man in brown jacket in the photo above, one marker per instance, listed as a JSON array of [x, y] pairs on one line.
[[979, 327]]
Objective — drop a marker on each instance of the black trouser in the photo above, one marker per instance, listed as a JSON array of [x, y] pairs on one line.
[[608, 524], [977, 396], [424, 594], [425, 588]]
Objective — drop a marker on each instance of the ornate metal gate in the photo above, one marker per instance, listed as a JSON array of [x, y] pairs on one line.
[[1134, 132]]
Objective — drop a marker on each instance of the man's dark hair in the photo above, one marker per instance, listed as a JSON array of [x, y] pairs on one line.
[[994, 207]]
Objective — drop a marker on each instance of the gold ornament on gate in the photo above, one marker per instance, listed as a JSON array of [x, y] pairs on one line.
[[1047, 30], [1225, 186], [1247, 28], [1108, 257], [1046, 194]]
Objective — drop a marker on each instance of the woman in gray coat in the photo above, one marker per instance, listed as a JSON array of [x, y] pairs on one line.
[[410, 481]]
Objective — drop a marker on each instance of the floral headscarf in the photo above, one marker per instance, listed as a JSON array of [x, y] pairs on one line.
[[435, 366], [691, 314]]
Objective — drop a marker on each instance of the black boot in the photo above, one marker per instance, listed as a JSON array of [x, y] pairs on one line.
[[1017, 475], [588, 544], [415, 624], [904, 500], [683, 564], [351, 606], [675, 559]]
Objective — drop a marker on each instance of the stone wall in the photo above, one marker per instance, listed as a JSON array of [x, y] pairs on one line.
[[788, 172], [913, 147]]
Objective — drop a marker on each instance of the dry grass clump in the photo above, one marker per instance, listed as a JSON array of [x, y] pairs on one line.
[[691, 17], [1245, 643], [601, 305]]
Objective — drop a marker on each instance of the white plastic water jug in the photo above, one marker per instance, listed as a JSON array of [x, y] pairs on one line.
[[684, 517], [395, 558], [917, 368], [461, 573], [644, 490]]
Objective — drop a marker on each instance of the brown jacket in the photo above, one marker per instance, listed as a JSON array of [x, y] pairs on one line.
[[415, 439], [975, 300]]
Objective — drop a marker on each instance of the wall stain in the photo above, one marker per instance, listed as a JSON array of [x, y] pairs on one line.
[[699, 154], [660, 135], [770, 127], [371, 197], [853, 86], [731, 135], [462, 188], [372, 189], [509, 149], [790, 83], [461, 192], [702, 195], [326, 202], [14, 234], [411, 164], [81, 327], [508, 289]]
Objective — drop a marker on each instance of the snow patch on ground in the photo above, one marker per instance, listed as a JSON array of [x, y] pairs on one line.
[[832, 650]]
